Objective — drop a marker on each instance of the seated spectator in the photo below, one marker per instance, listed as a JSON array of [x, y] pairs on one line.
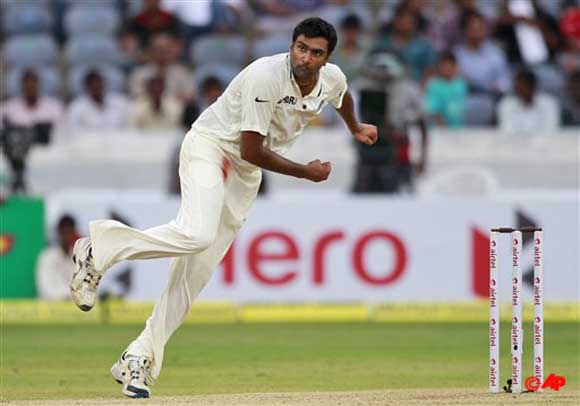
[[446, 93], [446, 22], [153, 20], [506, 27], [417, 8], [211, 88], [482, 63], [54, 267], [163, 53], [351, 50], [281, 15], [197, 16], [528, 111], [31, 109], [569, 58], [96, 110], [404, 39], [571, 107], [157, 110]]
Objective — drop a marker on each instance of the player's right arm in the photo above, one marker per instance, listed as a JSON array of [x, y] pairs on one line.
[[252, 149], [260, 93]]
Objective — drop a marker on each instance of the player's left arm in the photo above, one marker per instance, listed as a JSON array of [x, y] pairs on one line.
[[365, 133]]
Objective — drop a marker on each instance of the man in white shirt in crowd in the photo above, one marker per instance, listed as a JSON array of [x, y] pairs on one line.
[[249, 128], [54, 267], [164, 52], [528, 111], [31, 107], [97, 110]]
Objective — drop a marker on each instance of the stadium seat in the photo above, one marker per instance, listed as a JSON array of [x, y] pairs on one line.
[[276, 44], [27, 19], [93, 49], [80, 20], [92, 3], [479, 111], [30, 50], [114, 78], [225, 73], [335, 14], [459, 181], [49, 79], [216, 49]]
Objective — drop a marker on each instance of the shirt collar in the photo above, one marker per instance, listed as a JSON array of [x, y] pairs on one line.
[[316, 92]]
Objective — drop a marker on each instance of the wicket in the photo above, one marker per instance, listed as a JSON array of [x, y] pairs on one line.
[[516, 335]]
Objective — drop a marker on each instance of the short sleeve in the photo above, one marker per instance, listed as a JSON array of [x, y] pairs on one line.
[[340, 86], [260, 94]]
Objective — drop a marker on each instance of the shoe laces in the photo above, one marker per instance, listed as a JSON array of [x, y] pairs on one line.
[[92, 279], [139, 370]]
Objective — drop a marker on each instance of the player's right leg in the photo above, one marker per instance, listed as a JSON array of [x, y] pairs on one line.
[[194, 229]]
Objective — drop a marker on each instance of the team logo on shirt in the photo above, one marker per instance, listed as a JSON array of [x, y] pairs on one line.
[[288, 100]]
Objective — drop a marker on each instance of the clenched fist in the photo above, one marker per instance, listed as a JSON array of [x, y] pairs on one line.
[[318, 171], [366, 133]]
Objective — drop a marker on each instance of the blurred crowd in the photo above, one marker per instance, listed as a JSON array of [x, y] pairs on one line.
[[98, 65]]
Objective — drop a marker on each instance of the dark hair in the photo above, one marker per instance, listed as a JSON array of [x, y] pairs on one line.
[[66, 220], [29, 74], [351, 21], [92, 75], [473, 15], [527, 76], [448, 56], [209, 82], [574, 76], [316, 27]]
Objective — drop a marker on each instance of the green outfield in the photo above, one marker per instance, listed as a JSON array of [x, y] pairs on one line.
[[72, 361]]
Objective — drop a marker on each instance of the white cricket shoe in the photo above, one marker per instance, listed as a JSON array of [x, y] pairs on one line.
[[85, 279], [132, 372]]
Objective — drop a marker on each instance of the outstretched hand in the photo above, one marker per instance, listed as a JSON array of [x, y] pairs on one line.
[[366, 133]]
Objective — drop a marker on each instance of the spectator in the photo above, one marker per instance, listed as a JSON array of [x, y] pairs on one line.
[[571, 107], [351, 51], [54, 267], [274, 16], [157, 110], [164, 52], [197, 16], [569, 58], [417, 8], [211, 89], [446, 93], [153, 20], [31, 109], [392, 102], [446, 22], [96, 110], [528, 111], [536, 17], [403, 38], [482, 63]]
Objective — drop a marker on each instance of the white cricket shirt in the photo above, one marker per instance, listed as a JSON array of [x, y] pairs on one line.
[[265, 98]]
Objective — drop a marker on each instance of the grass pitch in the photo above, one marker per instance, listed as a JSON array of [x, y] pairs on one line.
[[52, 362]]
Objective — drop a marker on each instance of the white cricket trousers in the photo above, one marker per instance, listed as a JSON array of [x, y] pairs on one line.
[[217, 190]]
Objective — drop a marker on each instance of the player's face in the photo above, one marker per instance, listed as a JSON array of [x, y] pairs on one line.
[[308, 55]]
